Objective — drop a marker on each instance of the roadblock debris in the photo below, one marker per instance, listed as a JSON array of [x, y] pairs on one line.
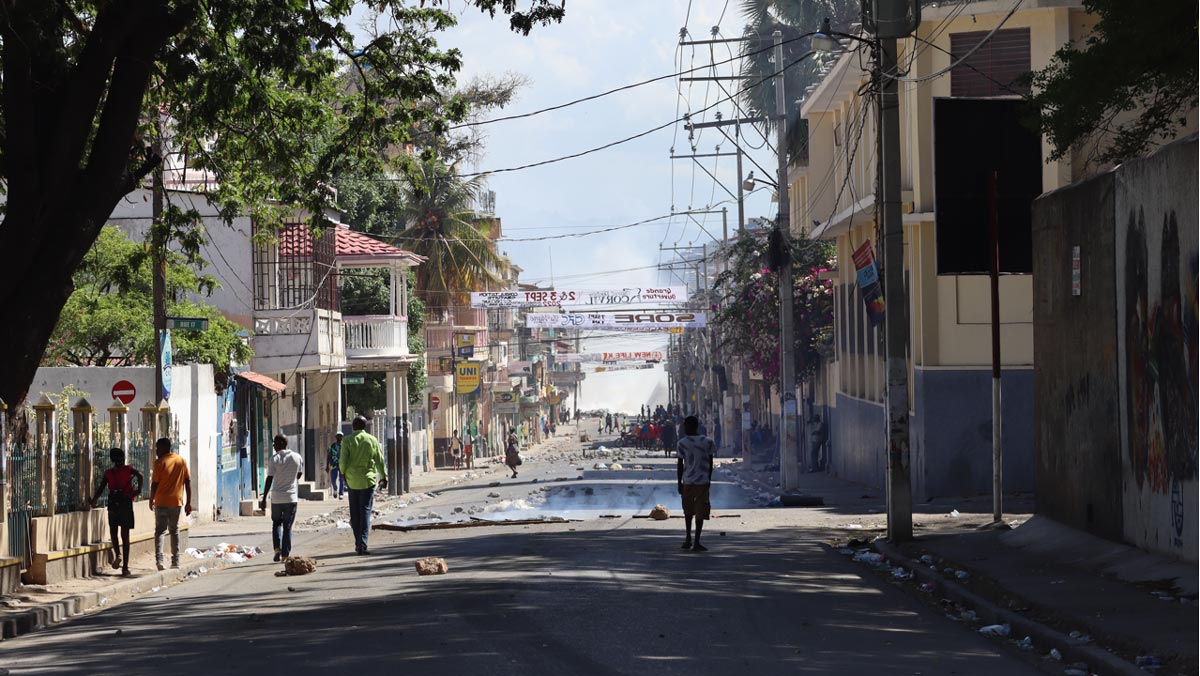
[[224, 552], [660, 513], [431, 565]]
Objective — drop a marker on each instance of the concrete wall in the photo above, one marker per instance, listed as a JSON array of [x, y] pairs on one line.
[[951, 432], [226, 250], [1117, 402], [193, 408], [1076, 438], [1156, 300], [857, 438]]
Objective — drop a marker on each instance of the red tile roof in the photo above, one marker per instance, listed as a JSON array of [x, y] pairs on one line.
[[295, 240]]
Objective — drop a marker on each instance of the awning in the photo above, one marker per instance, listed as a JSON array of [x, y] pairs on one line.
[[260, 379]]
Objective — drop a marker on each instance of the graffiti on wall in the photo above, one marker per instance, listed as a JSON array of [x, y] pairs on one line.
[[1159, 341], [1160, 344]]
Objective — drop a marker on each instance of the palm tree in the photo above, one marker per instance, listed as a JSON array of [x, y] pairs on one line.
[[792, 18], [442, 225]]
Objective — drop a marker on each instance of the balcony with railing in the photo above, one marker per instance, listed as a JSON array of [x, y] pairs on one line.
[[376, 336], [301, 321]]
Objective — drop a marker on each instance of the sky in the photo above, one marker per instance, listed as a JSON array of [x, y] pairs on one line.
[[600, 45]]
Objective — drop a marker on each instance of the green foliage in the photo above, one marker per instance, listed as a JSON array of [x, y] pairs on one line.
[[109, 319], [1140, 59], [792, 18], [416, 345], [267, 100], [747, 316], [443, 227]]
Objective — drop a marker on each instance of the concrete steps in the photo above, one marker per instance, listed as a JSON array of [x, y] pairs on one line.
[[307, 490]]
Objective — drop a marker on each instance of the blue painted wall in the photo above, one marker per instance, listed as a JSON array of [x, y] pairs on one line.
[[856, 436], [952, 432]]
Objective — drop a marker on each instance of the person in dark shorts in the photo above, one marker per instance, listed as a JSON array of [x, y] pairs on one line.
[[124, 484], [694, 470]]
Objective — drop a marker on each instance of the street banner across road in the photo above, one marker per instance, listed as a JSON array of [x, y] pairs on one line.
[[657, 355], [648, 320], [622, 367], [634, 295]]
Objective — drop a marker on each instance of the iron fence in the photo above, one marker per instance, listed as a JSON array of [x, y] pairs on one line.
[[67, 468], [27, 495]]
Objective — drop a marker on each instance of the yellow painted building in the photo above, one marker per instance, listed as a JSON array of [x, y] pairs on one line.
[[944, 119]]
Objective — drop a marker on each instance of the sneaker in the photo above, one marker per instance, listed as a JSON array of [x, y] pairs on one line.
[[161, 566], [277, 556], [175, 564]]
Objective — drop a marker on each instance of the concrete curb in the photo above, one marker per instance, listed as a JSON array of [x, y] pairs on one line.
[[46, 614], [1073, 650]]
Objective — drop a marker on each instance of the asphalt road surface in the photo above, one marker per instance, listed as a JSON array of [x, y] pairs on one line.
[[596, 596]]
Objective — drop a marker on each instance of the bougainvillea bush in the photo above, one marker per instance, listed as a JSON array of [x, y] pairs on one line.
[[746, 312]]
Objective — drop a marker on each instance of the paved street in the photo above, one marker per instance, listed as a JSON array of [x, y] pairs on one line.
[[602, 595]]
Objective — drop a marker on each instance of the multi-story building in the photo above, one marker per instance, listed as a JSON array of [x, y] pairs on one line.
[[956, 130]]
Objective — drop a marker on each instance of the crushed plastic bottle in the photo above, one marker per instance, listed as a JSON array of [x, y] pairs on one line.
[[1002, 630]]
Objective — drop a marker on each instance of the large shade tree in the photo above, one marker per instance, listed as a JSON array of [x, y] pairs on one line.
[[250, 88]]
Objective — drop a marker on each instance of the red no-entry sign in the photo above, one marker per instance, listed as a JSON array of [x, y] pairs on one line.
[[434, 401], [124, 392]]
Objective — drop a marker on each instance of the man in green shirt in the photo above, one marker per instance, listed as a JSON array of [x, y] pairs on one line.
[[362, 467]]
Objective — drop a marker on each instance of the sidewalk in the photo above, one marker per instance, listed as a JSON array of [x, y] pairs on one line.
[[35, 607], [1105, 604]]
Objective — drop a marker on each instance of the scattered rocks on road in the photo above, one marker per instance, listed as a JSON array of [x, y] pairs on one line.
[[660, 513], [431, 565]]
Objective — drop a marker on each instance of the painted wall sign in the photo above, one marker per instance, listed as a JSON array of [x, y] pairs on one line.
[[575, 297], [642, 320], [504, 397], [868, 282]]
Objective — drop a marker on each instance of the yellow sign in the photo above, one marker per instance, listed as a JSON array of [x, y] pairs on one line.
[[675, 329], [466, 377]]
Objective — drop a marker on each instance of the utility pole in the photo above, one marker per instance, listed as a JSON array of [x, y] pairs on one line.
[[789, 466], [899, 496], [997, 410]]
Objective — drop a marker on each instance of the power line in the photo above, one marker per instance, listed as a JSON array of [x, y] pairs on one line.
[[602, 94], [964, 57]]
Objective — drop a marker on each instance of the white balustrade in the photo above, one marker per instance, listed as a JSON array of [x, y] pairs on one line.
[[376, 336]]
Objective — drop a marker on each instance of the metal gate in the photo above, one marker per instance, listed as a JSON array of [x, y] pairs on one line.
[[26, 465]]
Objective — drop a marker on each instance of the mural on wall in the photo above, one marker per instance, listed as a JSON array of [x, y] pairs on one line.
[[1161, 361]]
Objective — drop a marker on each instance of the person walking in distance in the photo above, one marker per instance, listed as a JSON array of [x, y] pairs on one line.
[[694, 470], [512, 457], [169, 481], [362, 465], [122, 490], [669, 437], [456, 449], [284, 469], [337, 482]]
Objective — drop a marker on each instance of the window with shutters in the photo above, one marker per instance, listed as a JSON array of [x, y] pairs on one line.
[[994, 68]]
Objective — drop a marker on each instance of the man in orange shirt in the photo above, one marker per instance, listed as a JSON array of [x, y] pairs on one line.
[[168, 482]]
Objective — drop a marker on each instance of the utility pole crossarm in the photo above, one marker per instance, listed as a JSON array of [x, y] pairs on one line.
[[725, 123]]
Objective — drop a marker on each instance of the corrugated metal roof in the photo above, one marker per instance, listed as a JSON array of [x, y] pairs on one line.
[[260, 379]]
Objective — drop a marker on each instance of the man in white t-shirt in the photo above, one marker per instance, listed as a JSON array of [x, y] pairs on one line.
[[284, 469], [695, 452]]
